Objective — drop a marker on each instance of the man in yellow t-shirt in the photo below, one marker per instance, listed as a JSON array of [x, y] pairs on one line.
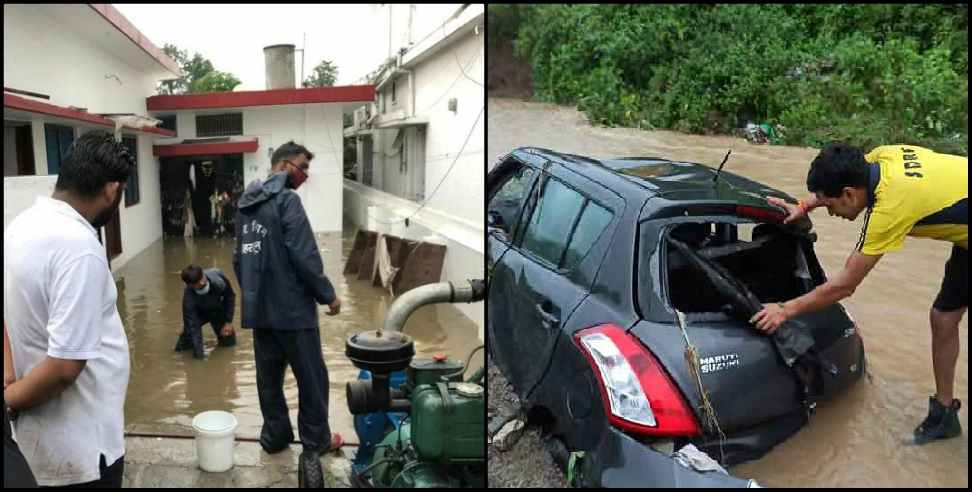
[[906, 191]]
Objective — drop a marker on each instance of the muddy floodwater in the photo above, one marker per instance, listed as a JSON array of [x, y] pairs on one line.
[[167, 388], [855, 440]]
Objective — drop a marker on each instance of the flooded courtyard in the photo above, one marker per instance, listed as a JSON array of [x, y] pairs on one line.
[[167, 389], [855, 440]]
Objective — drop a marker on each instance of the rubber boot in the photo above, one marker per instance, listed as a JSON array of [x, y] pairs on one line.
[[941, 423]]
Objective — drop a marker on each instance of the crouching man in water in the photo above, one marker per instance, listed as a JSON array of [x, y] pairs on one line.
[[208, 298], [282, 280], [907, 191]]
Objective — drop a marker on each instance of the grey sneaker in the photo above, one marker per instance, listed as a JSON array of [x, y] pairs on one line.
[[941, 423]]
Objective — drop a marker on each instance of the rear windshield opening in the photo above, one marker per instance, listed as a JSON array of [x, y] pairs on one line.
[[761, 256]]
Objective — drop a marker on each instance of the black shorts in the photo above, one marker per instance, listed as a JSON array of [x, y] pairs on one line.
[[955, 285]]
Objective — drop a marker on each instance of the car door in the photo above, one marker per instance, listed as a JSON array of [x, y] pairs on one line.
[[508, 186], [531, 285]]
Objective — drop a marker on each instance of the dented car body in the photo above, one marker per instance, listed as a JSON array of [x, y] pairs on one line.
[[606, 274]]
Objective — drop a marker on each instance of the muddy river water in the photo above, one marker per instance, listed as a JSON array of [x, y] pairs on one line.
[[167, 388], [855, 440]]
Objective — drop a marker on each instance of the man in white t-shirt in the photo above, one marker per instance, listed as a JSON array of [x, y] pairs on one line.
[[70, 352]]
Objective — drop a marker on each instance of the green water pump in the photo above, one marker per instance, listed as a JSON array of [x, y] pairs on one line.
[[441, 441]]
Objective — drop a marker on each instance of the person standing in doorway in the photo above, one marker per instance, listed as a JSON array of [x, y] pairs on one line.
[[281, 277], [70, 352]]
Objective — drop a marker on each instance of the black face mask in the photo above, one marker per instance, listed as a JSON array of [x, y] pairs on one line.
[[103, 218]]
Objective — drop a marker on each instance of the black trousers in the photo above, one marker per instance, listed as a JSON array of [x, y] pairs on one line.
[[274, 350], [192, 337], [111, 477]]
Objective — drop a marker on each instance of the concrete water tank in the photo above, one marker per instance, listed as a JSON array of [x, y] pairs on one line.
[[280, 66]]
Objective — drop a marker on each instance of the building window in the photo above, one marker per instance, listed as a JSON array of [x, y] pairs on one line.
[[168, 122], [59, 139], [132, 194], [219, 125], [394, 92]]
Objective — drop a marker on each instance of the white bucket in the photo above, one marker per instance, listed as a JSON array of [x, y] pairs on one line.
[[215, 437]]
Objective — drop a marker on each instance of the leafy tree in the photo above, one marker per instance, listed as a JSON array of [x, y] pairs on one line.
[[179, 85], [862, 73], [198, 74], [196, 68], [324, 75], [215, 81]]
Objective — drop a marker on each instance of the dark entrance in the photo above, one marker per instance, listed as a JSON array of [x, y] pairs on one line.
[[209, 185], [113, 236], [21, 157]]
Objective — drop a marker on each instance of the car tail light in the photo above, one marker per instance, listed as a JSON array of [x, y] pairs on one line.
[[638, 394], [759, 213]]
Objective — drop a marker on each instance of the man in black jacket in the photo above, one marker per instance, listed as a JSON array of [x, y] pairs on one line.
[[281, 276], [208, 298]]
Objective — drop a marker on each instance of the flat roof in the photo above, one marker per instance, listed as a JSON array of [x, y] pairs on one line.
[[312, 95]]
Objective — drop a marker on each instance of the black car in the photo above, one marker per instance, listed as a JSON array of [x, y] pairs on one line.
[[619, 294]]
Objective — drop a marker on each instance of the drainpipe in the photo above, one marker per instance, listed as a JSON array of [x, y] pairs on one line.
[[411, 84], [411, 87]]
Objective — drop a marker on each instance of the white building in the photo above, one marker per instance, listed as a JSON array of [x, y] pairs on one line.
[[68, 68], [420, 146], [64, 66], [231, 136]]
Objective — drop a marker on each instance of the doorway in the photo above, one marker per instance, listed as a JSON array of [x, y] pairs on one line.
[[113, 242], [207, 186], [18, 149]]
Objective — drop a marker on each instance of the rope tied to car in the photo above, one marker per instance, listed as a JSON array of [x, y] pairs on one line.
[[709, 419]]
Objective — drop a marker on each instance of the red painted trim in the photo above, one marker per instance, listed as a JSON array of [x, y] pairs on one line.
[[348, 93], [17, 102], [156, 130], [205, 148], [23, 104], [118, 21]]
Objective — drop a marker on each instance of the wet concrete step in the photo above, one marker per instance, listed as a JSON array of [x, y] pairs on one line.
[[166, 462]]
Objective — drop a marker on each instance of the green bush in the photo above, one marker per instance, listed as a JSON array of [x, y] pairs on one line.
[[864, 74]]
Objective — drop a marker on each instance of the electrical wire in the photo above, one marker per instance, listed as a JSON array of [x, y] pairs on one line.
[[331, 140], [465, 365], [479, 53], [456, 58], [451, 166], [448, 19], [407, 467]]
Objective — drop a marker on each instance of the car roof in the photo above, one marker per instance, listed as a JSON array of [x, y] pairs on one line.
[[678, 181]]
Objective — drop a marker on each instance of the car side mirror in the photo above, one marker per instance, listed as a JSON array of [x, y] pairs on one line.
[[494, 219], [495, 223]]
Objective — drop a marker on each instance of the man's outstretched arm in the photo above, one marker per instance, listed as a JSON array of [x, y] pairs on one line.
[[840, 286]]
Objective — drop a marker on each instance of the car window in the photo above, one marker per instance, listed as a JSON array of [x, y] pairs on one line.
[[506, 204], [553, 216], [593, 221]]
